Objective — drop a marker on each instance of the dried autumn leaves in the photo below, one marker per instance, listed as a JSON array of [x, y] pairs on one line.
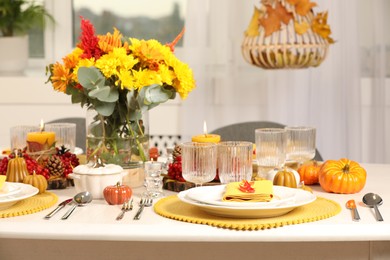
[[273, 14]]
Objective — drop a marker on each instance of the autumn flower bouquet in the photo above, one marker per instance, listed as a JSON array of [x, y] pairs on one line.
[[120, 79]]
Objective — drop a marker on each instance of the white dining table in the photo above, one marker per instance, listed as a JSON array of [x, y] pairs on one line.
[[92, 232]]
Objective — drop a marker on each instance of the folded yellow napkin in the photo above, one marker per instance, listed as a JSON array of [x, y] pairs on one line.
[[263, 192]]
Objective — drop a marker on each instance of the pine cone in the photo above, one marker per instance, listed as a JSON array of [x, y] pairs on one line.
[[55, 166], [176, 152]]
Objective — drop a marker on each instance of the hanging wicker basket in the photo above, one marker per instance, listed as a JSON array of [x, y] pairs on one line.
[[285, 48]]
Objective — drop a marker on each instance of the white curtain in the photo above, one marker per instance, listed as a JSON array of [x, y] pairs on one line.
[[346, 98]]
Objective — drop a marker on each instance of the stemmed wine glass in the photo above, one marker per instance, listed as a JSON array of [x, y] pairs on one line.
[[199, 162], [301, 143]]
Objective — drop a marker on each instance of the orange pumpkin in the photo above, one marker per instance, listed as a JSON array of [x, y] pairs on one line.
[[117, 194], [342, 176], [309, 172]]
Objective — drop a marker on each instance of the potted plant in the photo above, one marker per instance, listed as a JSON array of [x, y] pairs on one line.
[[17, 17]]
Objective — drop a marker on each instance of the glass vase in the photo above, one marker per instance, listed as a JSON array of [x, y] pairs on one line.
[[122, 143]]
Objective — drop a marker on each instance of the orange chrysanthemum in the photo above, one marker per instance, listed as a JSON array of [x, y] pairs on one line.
[[61, 77], [71, 60], [110, 41], [149, 54]]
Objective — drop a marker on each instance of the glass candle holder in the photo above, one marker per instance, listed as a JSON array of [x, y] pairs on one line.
[[153, 178], [65, 134], [18, 135]]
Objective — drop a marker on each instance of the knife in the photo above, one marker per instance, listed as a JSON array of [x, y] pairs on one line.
[[59, 207]]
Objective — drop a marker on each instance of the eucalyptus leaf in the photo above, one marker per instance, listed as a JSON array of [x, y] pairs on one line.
[[155, 94], [104, 108], [90, 77], [104, 94]]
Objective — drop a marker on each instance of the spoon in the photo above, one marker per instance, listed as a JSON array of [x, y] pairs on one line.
[[373, 200], [80, 199], [352, 206]]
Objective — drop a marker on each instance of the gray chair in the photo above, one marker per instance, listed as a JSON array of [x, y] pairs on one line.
[[80, 129], [246, 132]]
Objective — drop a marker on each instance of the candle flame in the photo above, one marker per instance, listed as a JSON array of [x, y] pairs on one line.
[[205, 128], [42, 126]]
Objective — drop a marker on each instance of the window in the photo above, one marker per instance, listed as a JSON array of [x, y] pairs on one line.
[[160, 20], [148, 19]]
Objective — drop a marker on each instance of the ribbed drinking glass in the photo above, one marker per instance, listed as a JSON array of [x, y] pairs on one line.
[[199, 162]]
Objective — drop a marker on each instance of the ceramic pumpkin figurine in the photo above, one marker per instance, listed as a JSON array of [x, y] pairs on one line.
[[342, 176], [308, 172], [117, 194]]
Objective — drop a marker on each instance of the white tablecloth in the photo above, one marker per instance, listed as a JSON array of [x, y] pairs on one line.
[[92, 231]]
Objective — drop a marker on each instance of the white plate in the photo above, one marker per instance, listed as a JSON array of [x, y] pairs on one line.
[[26, 191], [213, 195], [301, 198], [9, 188]]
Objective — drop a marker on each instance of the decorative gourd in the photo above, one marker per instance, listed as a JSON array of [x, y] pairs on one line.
[[272, 174], [342, 176], [117, 194], [38, 181], [16, 169], [308, 172], [285, 177]]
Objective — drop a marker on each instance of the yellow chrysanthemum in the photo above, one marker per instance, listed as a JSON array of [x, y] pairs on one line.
[[110, 64], [145, 78], [61, 77], [110, 41], [125, 79], [185, 82], [147, 52], [71, 60], [167, 75]]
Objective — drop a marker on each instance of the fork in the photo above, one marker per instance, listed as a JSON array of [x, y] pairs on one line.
[[127, 206], [144, 202]]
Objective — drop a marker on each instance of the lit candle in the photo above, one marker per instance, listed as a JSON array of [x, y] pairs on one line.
[[38, 141], [206, 138]]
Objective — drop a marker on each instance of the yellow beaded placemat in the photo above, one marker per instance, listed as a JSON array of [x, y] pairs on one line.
[[30, 205], [172, 207]]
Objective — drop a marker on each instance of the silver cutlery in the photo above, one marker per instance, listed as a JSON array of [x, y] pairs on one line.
[[373, 200], [59, 207], [144, 202], [80, 199], [127, 206]]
